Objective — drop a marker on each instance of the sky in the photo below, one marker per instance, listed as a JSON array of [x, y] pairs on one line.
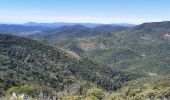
[[84, 11]]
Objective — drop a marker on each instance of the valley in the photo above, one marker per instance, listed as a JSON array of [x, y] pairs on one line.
[[77, 62]]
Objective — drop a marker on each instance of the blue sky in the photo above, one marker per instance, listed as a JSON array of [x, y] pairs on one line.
[[90, 11]]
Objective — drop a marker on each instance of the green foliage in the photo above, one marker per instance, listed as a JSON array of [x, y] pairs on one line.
[[157, 63], [96, 92], [142, 51], [28, 90], [27, 62], [146, 88], [110, 56]]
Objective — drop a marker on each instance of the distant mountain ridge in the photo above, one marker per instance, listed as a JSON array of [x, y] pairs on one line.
[[90, 25], [66, 36], [60, 24], [14, 28], [109, 28], [33, 28]]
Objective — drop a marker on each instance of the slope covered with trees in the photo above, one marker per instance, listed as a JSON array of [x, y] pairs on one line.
[[144, 48], [138, 60], [28, 62]]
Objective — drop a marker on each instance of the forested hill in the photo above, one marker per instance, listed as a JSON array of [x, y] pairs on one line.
[[143, 49], [28, 62]]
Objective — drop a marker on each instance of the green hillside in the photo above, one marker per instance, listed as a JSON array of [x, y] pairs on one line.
[[142, 49], [66, 36], [151, 88], [132, 64], [28, 62]]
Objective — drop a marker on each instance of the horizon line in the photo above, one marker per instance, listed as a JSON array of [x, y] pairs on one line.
[[55, 22]]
